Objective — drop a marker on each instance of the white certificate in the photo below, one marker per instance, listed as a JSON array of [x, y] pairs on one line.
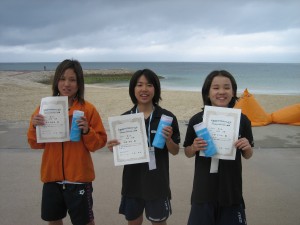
[[55, 111], [223, 125], [130, 131]]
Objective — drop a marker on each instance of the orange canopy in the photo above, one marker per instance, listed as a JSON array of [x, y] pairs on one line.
[[252, 109], [287, 115]]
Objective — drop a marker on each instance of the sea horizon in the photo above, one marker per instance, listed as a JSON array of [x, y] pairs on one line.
[[258, 78]]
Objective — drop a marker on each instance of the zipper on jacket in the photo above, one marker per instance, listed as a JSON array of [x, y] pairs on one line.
[[62, 164]]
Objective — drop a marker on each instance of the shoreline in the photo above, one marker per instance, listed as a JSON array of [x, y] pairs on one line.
[[21, 94], [39, 76]]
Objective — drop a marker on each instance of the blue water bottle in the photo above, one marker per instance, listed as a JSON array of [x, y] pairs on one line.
[[202, 131], [75, 133], [159, 140]]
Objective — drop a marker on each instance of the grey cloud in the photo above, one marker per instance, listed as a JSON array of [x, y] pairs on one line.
[[115, 24]]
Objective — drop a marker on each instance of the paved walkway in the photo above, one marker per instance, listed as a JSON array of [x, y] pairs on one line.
[[271, 180]]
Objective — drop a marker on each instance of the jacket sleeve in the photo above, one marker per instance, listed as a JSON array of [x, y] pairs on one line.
[[31, 134], [96, 137]]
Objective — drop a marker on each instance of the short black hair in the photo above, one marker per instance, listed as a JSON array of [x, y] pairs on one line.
[[152, 78], [207, 84]]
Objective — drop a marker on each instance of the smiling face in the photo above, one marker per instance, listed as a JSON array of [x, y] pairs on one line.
[[144, 91], [220, 92], [67, 84]]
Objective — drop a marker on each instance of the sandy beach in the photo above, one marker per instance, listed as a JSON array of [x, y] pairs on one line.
[[271, 177], [21, 94]]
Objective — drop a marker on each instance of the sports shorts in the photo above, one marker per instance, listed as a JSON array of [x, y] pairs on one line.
[[156, 210], [76, 199], [212, 214]]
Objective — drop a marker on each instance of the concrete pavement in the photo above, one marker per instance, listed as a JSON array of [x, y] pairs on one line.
[[271, 179]]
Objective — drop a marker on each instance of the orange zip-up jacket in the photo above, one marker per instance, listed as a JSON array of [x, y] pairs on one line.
[[71, 161]]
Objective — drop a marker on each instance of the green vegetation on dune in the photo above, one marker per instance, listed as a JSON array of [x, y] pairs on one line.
[[47, 81], [93, 77], [106, 78]]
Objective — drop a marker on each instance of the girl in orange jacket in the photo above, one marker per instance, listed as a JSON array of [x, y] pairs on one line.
[[67, 168]]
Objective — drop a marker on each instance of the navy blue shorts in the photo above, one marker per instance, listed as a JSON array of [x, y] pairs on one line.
[[212, 214], [76, 199], [156, 210]]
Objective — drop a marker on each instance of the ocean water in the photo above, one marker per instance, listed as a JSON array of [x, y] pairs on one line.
[[259, 78]]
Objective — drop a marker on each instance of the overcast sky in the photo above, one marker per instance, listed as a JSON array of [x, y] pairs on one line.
[[150, 30]]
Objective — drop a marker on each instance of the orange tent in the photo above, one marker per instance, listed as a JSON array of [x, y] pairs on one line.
[[252, 109], [287, 115]]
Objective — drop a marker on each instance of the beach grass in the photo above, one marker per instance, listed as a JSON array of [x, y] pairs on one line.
[[99, 76], [106, 78], [47, 81], [94, 77]]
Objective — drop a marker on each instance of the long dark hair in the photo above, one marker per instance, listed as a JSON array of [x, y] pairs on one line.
[[61, 68], [152, 78], [207, 84]]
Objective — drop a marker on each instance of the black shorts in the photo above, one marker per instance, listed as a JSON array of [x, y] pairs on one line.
[[212, 214], [156, 211], [76, 199]]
